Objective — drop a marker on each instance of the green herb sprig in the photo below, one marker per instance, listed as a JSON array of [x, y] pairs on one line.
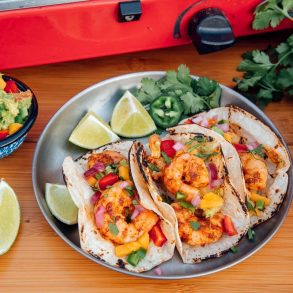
[[268, 75], [271, 13], [195, 95]]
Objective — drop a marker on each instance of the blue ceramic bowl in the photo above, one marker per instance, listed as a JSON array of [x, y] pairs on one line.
[[13, 142]]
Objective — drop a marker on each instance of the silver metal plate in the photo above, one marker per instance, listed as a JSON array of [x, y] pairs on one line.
[[53, 147]]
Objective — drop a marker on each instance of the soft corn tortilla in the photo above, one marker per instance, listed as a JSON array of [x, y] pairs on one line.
[[91, 240], [233, 207], [253, 130]]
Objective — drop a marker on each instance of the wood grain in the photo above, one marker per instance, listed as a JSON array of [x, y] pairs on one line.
[[40, 261]]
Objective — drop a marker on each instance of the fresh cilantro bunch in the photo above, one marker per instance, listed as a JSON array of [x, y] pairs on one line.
[[195, 95], [271, 13], [268, 75]]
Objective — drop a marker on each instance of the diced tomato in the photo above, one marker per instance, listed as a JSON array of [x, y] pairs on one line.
[[240, 148], [188, 121], [108, 180], [167, 147], [11, 87], [157, 235], [229, 226], [3, 134]]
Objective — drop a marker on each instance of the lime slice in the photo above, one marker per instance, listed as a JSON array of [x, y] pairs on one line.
[[60, 203], [9, 216], [92, 132], [130, 118]]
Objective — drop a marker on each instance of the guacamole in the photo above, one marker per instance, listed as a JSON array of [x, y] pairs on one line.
[[14, 108]]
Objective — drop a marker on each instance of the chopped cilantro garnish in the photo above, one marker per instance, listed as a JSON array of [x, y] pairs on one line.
[[260, 204], [223, 121], [199, 138], [129, 189], [135, 202], [123, 163], [99, 176], [180, 196], [250, 234], [166, 158], [258, 151], [218, 130], [233, 249], [153, 167], [113, 229], [194, 225], [250, 205], [187, 205], [206, 156]]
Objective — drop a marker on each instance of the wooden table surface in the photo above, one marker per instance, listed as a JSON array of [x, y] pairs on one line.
[[40, 261]]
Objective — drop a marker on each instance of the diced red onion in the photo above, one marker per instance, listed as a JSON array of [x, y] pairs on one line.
[[99, 216], [95, 197], [205, 122], [217, 183], [195, 201], [158, 271], [137, 210], [123, 184], [99, 167], [197, 119], [224, 127], [90, 172], [253, 145], [178, 146], [213, 172]]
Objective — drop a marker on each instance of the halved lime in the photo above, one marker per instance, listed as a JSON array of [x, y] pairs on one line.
[[9, 216], [92, 132], [61, 204], [130, 118]]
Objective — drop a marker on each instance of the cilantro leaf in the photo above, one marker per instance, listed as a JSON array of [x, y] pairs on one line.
[[192, 104], [258, 151], [271, 13], [268, 74], [194, 225], [204, 86], [184, 74], [113, 229]]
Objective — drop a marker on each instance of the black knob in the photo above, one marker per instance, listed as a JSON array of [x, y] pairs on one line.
[[210, 31]]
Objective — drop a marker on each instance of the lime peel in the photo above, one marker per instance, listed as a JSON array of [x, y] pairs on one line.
[[9, 216], [130, 118], [61, 204], [92, 132]]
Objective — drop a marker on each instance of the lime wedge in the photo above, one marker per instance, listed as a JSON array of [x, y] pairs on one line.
[[60, 203], [92, 132], [9, 216], [130, 118]]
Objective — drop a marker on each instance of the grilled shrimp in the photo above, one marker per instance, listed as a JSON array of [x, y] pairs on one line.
[[186, 174], [210, 229], [107, 158], [145, 221], [255, 171], [155, 146], [160, 164], [118, 204]]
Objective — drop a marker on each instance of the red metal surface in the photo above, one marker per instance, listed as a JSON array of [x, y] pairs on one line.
[[89, 29]]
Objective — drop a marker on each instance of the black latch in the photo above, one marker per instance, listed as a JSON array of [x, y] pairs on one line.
[[129, 11]]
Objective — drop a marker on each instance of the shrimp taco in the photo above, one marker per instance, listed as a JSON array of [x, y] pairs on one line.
[[187, 177], [118, 221], [264, 159]]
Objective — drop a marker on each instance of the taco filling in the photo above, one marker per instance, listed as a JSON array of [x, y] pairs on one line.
[[118, 213], [259, 161], [192, 178]]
